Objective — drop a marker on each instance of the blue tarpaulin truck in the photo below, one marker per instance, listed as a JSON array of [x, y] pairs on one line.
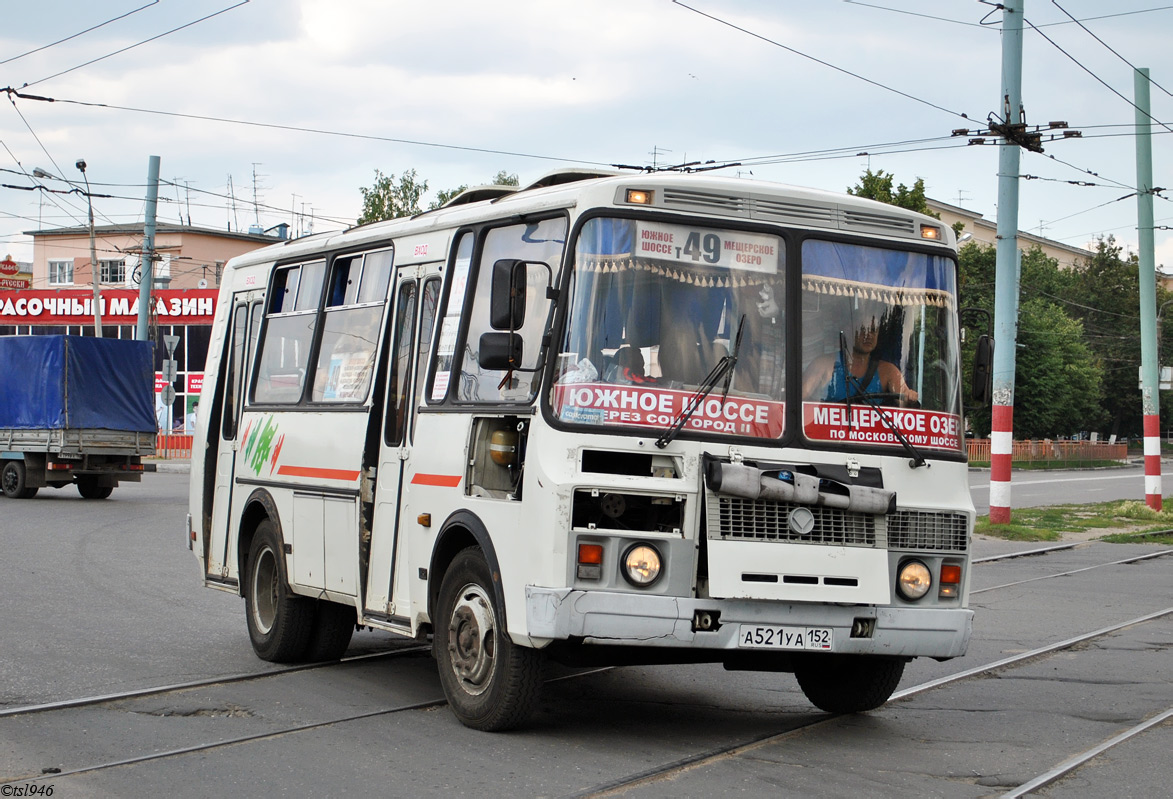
[[74, 411]]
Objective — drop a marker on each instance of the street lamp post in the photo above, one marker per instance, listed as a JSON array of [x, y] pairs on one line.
[[81, 165]]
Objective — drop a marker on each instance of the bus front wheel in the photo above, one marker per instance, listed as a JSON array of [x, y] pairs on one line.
[[491, 683], [280, 623], [848, 683]]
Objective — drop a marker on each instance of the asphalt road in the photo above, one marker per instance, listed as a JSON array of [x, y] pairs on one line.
[[1032, 489], [103, 596]]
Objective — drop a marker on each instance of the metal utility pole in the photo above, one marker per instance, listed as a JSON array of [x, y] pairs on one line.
[[147, 267], [1148, 293], [1005, 282], [97, 272]]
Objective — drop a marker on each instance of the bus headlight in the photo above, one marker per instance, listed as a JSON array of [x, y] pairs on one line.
[[913, 580], [642, 565]]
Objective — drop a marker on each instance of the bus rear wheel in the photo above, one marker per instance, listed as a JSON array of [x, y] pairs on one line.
[[280, 623], [848, 683], [491, 683]]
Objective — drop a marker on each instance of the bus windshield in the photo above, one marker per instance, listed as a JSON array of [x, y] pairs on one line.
[[654, 308], [879, 339]]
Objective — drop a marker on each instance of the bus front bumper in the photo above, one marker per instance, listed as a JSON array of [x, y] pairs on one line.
[[627, 619]]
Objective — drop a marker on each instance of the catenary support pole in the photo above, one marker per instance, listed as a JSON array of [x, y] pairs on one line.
[[147, 267], [1005, 277], [1148, 293]]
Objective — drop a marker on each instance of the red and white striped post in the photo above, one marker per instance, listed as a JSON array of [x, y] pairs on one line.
[[1001, 451], [1152, 461]]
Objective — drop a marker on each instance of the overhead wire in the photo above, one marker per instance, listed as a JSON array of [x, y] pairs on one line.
[[1100, 80], [138, 44], [820, 61], [301, 129], [79, 33], [1106, 45]]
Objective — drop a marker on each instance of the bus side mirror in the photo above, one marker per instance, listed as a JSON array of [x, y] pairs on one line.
[[507, 294], [983, 370], [499, 351]]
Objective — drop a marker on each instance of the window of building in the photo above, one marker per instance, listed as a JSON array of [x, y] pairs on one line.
[[61, 273], [113, 270]]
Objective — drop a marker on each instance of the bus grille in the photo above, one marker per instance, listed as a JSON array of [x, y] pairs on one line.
[[766, 520], [928, 530]]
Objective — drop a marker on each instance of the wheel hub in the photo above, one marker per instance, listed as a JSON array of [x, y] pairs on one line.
[[471, 633], [265, 591]]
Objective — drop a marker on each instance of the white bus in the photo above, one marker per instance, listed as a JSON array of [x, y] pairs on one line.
[[606, 418]]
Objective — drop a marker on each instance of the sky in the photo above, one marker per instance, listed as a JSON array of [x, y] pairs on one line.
[[271, 111]]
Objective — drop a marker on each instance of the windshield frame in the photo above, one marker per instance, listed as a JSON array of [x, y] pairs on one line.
[[791, 243], [568, 283]]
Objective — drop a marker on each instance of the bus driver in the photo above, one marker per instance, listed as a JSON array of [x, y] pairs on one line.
[[825, 379]]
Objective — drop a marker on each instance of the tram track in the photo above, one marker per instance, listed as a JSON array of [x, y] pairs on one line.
[[610, 788], [702, 759], [139, 693]]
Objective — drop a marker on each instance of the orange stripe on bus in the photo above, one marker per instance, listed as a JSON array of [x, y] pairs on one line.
[[314, 472], [443, 480]]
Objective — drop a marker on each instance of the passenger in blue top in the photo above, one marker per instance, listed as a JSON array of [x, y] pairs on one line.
[[825, 379]]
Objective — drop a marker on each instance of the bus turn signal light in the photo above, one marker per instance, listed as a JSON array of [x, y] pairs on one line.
[[950, 581], [590, 561]]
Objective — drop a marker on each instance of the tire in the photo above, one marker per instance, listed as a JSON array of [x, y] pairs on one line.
[[279, 622], [13, 481], [89, 489], [848, 683], [491, 683], [333, 627]]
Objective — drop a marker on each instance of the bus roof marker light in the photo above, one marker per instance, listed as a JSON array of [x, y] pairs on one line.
[[639, 197], [930, 232]]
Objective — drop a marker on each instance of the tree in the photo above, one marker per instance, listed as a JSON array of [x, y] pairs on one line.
[[387, 199], [390, 198], [502, 178], [1059, 377], [878, 186]]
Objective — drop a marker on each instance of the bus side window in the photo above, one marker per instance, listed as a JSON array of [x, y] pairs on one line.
[[401, 357], [350, 330], [290, 324], [537, 243], [235, 369], [429, 301]]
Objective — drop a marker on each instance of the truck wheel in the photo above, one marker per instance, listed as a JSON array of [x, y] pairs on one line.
[[490, 682], [12, 481], [333, 628], [848, 683], [89, 489], [279, 621]]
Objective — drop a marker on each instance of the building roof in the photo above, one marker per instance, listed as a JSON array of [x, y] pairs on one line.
[[136, 229]]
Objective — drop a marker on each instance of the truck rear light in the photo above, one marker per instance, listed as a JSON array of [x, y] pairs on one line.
[[950, 581], [59, 467], [132, 467]]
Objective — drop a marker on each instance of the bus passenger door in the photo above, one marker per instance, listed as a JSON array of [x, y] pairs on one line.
[[240, 342], [415, 315]]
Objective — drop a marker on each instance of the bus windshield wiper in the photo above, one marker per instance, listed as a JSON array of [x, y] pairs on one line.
[[723, 369], [850, 381]]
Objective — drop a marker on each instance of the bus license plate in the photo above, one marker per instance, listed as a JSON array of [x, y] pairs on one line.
[[758, 637]]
